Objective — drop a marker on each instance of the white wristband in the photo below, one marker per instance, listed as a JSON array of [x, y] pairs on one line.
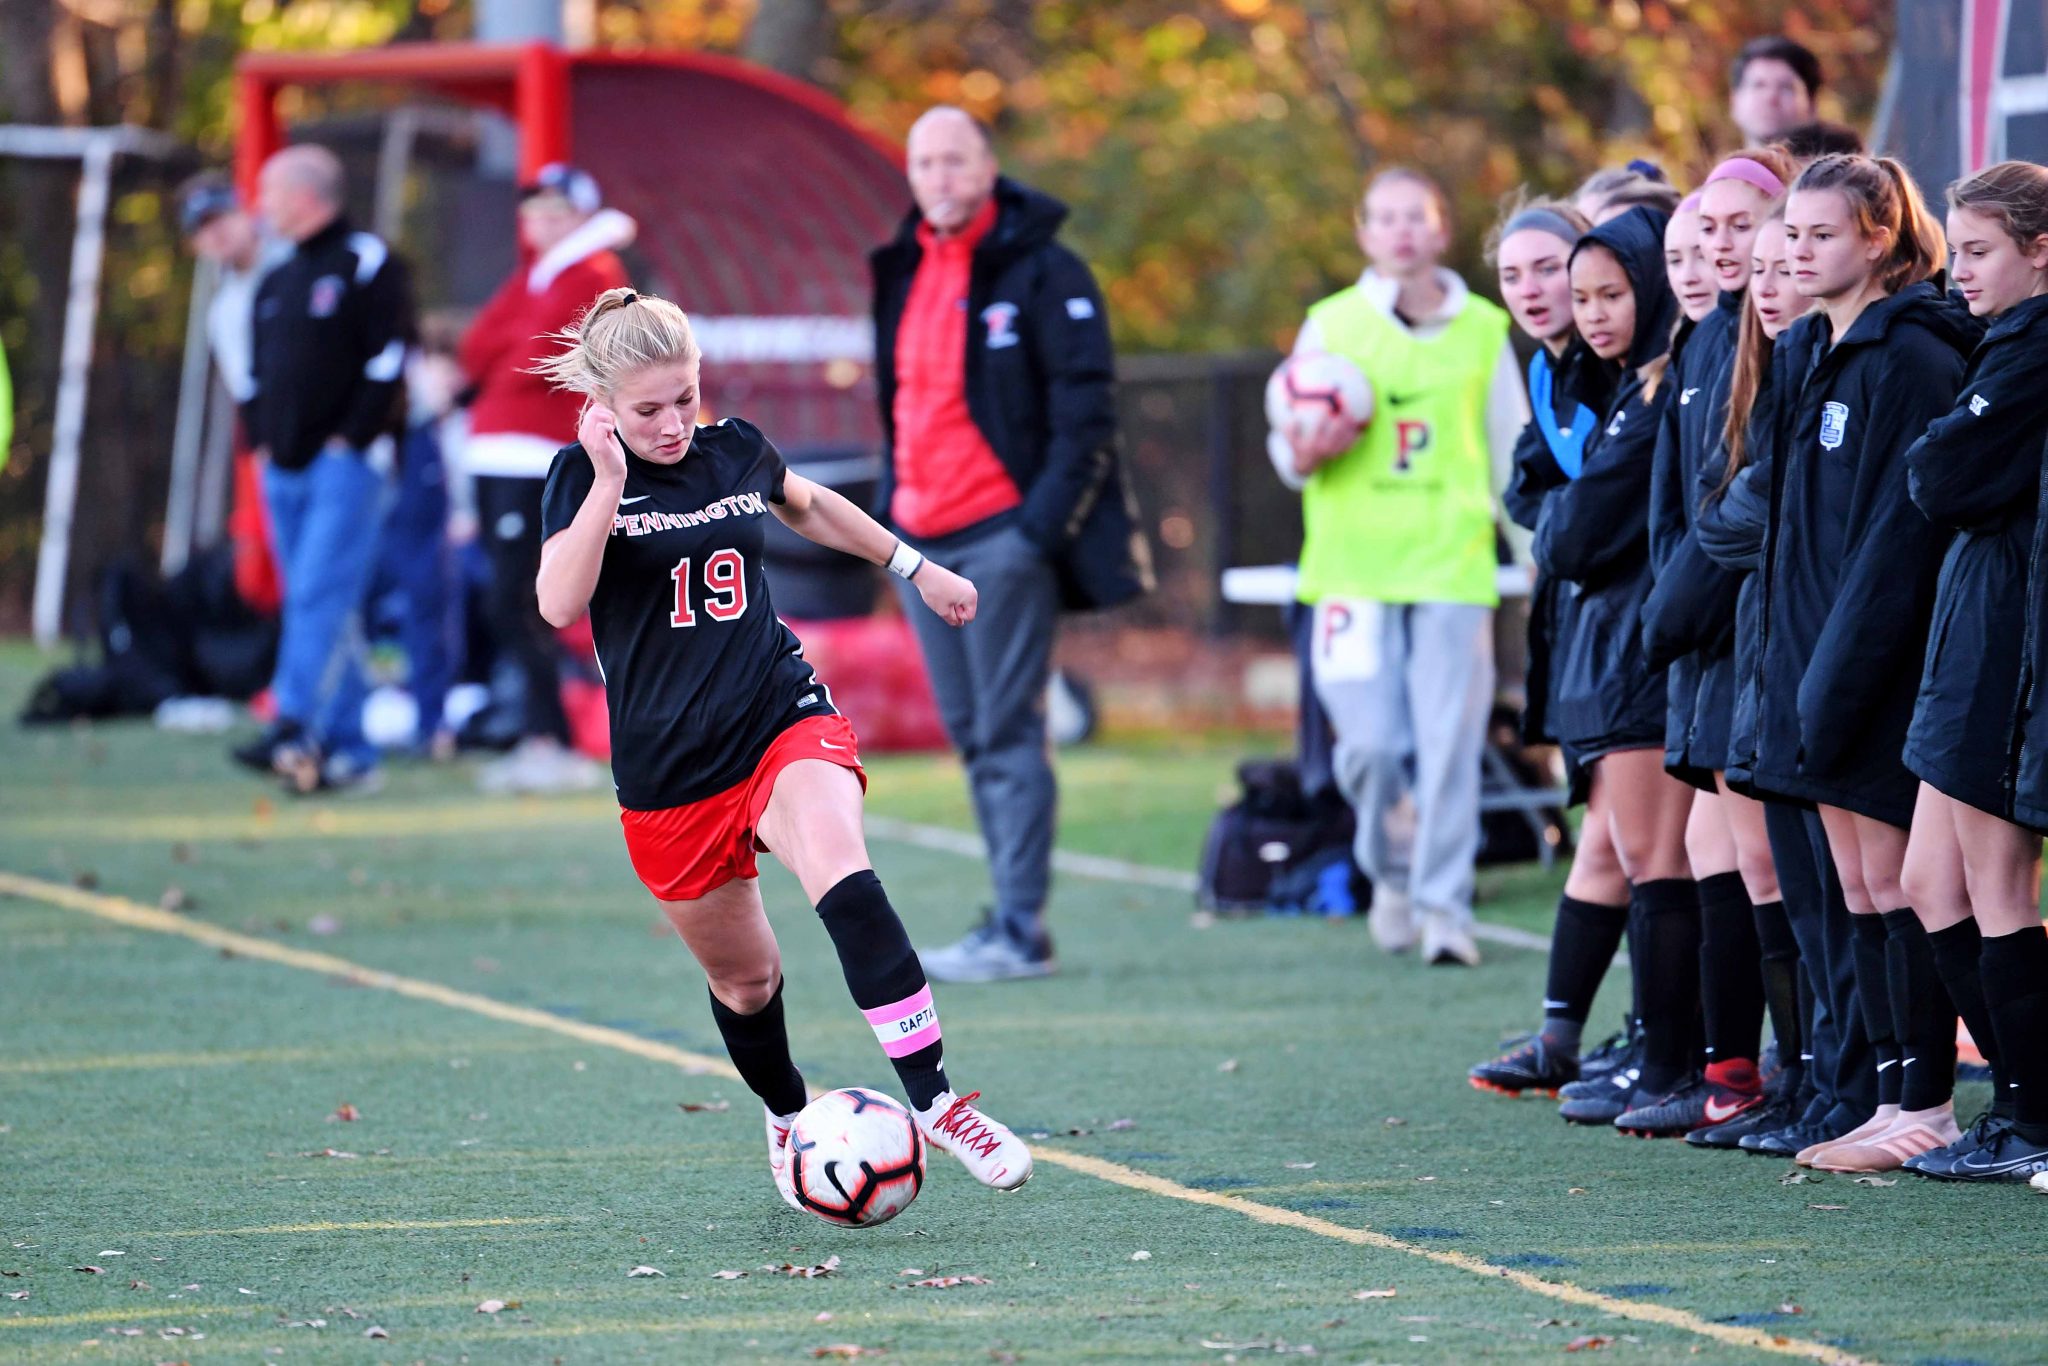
[[905, 562]]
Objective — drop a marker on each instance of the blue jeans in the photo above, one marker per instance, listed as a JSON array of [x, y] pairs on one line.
[[413, 586], [324, 521]]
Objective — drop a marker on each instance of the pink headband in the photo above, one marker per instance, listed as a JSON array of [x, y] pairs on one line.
[[1691, 203], [1749, 171]]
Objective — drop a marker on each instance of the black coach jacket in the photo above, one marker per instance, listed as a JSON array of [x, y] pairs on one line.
[[1849, 562], [1040, 387], [1592, 545], [1977, 471], [332, 324]]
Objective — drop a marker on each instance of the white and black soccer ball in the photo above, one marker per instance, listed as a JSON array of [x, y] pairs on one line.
[[1318, 403], [856, 1158]]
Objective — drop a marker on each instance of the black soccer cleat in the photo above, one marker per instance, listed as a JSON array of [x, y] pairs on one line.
[[1533, 1068], [1600, 1102], [1695, 1103], [1613, 1053], [1778, 1108]]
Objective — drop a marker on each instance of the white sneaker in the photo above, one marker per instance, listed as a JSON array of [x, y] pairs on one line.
[[540, 765], [991, 1153], [1447, 940], [778, 1156], [1391, 920]]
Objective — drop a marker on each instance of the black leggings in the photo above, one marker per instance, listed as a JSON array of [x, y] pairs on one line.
[[508, 523]]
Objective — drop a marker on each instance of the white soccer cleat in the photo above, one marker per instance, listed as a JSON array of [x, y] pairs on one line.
[[991, 1153], [778, 1155]]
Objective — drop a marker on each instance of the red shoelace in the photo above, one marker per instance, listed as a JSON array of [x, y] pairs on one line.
[[963, 1125]]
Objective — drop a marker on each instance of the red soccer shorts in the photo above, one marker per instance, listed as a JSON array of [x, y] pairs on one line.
[[684, 852]]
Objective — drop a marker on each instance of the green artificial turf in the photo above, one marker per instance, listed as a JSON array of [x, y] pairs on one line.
[[168, 1102]]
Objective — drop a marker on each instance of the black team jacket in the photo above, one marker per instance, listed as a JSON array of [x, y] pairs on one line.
[[1977, 470], [1041, 388], [1849, 562], [2030, 782], [332, 324], [1592, 543], [1689, 621]]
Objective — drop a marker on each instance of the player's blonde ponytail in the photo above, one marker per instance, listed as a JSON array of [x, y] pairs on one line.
[[623, 331]]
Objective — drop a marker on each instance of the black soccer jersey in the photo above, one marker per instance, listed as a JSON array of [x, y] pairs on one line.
[[700, 676]]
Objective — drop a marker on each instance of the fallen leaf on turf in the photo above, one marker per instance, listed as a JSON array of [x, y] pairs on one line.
[[140, 1285], [174, 899], [645, 1271], [1797, 1178], [846, 1351], [1592, 1342], [947, 1282], [112, 1252], [491, 1306], [1386, 1294], [1576, 1190], [1227, 1065], [1141, 1256], [329, 1152], [704, 1107], [1393, 1121], [91, 1270], [911, 1271], [1790, 1308], [347, 1114], [17, 1294], [1299, 1166], [1877, 1181], [373, 1331], [307, 1323], [1827, 1207], [822, 1316], [807, 1273], [13, 1274], [727, 1275], [1117, 1126]]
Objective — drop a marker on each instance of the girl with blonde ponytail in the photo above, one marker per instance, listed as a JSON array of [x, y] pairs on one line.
[[1849, 567], [724, 743]]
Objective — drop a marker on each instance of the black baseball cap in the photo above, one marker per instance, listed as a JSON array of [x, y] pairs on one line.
[[203, 200], [560, 178]]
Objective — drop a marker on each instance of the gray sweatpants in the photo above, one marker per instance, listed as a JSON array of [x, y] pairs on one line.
[[990, 678], [1409, 687]]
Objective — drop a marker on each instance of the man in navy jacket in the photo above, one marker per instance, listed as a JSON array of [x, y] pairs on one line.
[[995, 375]]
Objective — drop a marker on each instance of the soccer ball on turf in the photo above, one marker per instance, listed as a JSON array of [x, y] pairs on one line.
[[1318, 403], [856, 1158]]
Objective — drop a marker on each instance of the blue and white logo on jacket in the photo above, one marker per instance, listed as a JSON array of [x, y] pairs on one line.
[[1001, 321], [1834, 424]]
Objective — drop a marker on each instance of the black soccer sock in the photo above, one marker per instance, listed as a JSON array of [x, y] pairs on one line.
[[758, 1045], [2016, 990], [1669, 969], [1874, 1000], [1780, 975], [1582, 945], [1958, 957], [1922, 1015], [1731, 981], [887, 981]]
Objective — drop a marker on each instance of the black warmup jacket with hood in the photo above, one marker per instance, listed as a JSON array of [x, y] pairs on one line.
[[1689, 621], [1978, 470], [1592, 545], [1849, 563], [2030, 783]]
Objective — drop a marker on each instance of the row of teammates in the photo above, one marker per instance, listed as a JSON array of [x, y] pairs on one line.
[[1783, 481]]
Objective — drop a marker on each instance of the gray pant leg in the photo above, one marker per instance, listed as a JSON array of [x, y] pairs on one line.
[[990, 679], [1451, 677], [1370, 756]]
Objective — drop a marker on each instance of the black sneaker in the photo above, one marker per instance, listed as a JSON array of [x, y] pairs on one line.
[[1614, 1052], [1601, 1102], [1776, 1113], [1628, 1059], [1982, 1130], [1796, 1138], [261, 754], [1535, 1067], [2005, 1156]]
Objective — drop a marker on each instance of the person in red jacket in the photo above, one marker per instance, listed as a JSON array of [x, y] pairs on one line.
[[517, 422]]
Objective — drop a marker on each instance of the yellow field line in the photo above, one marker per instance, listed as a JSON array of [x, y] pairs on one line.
[[137, 916], [155, 1062]]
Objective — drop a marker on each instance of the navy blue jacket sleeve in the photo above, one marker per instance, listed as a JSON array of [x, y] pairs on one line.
[[1071, 333], [1731, 527], [1978, 464], [1600, 519], [1668, 522], [1536, 473], [1888, 573], [1691, 606]]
